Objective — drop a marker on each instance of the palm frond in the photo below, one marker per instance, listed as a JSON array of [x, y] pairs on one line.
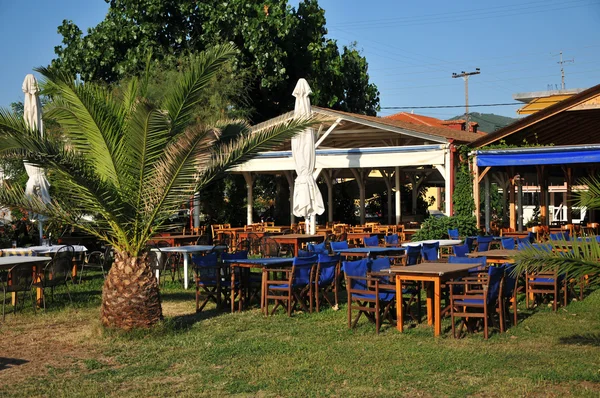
[[590, 197], [181, 101], [249, 144], [579, 259], [91, 118]]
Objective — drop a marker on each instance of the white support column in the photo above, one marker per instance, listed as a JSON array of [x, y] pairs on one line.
[[449, 183], [360, 180], [387, 178], [328, 177], [250, 201], [196, 214], [520, 203], [397, 198], [289, 175]]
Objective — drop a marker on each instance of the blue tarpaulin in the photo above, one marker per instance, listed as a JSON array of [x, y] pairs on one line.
[[538, 156]]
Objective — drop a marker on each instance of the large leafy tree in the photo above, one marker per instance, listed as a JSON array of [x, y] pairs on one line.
[[277, 44], [130, 163], [582, 260]]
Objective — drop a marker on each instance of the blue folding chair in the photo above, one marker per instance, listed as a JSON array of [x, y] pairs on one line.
[[461, 250], [483, 243], [413, 255], [508, 243], [367, 295], [509, 293], [207, 273], [480, 262], [430, 251], [392, 240], [337, 247], [453, 234], [371, 241], [326, 279], [317, 248], [296, 287], [470, 241], [475, 298], [560, 236]]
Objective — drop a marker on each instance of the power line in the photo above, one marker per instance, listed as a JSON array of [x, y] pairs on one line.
[[450, 106]]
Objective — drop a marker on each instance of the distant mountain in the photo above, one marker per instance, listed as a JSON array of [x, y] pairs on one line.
[[488, 122]]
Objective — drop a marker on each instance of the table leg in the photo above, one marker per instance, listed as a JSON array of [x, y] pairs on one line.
[[437, 308], [232, 266], [186, 257], [429, 303], [263, 285], [296, 244], [159, 259], [399, 305]]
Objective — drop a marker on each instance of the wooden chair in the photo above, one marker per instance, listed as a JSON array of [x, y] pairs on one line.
[[546, 283], [367, 295], [269, 247], [475, 298], [296, 286], [326, 279]]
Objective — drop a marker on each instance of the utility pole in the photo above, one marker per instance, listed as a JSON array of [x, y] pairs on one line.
[[465, 76], [562, 69]]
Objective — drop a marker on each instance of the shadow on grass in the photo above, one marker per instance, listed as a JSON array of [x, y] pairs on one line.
[[184, 322], [177, 296], [592, 339], [6, 363]]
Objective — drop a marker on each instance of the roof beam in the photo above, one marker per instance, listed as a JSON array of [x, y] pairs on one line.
[[329, 130]]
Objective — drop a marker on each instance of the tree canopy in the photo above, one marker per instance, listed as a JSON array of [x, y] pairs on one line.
[[277, 44]]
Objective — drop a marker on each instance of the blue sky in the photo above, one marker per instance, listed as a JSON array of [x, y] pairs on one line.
[[412, 47]]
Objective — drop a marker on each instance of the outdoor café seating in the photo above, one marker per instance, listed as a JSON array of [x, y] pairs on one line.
[[21, 277], [294, 288], [209, 283], [367, 295], [326, 280], [56, 273]]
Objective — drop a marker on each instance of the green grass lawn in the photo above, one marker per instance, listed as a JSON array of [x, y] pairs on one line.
[[64, 352]]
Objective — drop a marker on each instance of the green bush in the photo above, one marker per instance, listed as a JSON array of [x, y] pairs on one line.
[[437, 227]]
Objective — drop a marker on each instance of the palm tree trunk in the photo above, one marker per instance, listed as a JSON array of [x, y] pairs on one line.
[[130, 298]]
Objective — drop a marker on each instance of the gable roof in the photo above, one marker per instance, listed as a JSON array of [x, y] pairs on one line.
[[573, 121], [426, 120], [442, 132]]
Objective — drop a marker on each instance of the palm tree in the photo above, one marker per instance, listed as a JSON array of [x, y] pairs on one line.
[[131, 163], [582, 260]]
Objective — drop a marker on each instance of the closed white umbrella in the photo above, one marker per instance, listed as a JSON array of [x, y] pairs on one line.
[[307, 198], [32, 113]]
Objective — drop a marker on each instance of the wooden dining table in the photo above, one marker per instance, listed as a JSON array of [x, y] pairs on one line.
[[297, 240], [175, 240], [496, 256], [434, 273]]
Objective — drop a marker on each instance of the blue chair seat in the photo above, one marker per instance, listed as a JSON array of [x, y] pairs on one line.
[[285, 286], [207, 282], [469, 302], [388, 296]]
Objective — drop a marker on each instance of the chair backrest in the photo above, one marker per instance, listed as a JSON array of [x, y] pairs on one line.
[[21, 277], [461, 250], [304, 253], [392, 239], [470, 241], [479, 261], [61, 266], [269, 247], [510, 280], [453, 234], [560, 236], [356, 268], [526, 240], [413, 254], [238, 255], [203, 240], [338, 246], [326, 269], [430, 251], [317, 247], [508, 243], [371, 241], [302, 269], [207, 260], [380, 263], [495, 275], [483, 243], [162, 243]]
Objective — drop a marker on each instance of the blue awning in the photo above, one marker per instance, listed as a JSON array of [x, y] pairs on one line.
[[556, 155]]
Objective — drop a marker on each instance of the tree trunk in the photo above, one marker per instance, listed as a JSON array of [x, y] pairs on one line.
[[130, 298]]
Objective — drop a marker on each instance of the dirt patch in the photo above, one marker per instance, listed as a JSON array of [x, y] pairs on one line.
[[32, 345]]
